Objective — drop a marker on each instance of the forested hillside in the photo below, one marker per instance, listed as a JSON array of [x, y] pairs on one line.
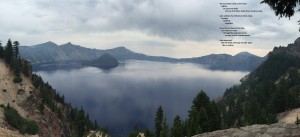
[[31, 105], [272, 88]]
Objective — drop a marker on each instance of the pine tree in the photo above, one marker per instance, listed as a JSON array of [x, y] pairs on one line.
[[148, 133], [165, 129], [201, 100], [199, 114], [16, 49], [283, 8], [159, 121], [8, 52], [252, 111], [215, 119], [178, 128], [1, 50], [134, 133], [88, 122], [203, 120], [96, 126], [81, 122], [27, 69]]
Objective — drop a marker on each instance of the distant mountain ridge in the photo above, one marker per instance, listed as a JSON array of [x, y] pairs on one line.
[[51, 52], [240, 61]]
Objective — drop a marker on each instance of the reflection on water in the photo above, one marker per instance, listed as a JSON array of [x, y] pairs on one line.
[[129, 95]]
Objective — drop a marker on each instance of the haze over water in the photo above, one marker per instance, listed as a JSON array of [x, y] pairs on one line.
[[128, 96]]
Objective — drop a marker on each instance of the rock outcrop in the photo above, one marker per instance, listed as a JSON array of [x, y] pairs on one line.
[[289, 116], [292, 49], [97, 134], [274, 130]]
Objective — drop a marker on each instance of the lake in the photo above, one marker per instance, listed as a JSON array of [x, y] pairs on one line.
[[129, 95]]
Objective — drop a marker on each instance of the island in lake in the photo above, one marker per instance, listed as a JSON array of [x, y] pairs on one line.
[[106, 61]]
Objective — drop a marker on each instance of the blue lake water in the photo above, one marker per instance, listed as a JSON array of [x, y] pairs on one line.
[[128, 96]]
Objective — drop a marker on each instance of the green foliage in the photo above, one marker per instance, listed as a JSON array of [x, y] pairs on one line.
[[159, 121], [204, 116], [17, 80], [216, 121], [253, 114], [282, 8], [134, 133], [272, 88], [178, 128], [96, 126], [148, 133], [81, 122], [8, 52], [201, 100], [1, 52], [165, 129], [20, 123], [15, 47], [203, 120], [47, 93], [27, 68]]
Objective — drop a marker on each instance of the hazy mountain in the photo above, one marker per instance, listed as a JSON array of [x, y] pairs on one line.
[[51, 52], [241, 61]]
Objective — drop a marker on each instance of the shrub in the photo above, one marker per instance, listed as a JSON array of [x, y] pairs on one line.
[[18, 80], [23, 125], [21, 91]]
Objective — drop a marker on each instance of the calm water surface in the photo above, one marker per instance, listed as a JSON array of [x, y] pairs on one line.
[[129, 95]]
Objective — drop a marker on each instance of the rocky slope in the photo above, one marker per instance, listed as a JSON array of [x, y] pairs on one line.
[[285, 127], [289, 116], [4, 132], [24, 98], [274, 130]]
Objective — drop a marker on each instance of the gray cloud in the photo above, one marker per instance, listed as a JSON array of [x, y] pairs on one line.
[[181, 20], [177, 21]]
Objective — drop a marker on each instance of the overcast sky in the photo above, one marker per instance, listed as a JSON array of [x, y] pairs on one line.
[[174, 28]]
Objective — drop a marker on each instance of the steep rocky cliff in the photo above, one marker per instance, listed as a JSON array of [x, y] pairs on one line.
[[25, 99], [29, 105]]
